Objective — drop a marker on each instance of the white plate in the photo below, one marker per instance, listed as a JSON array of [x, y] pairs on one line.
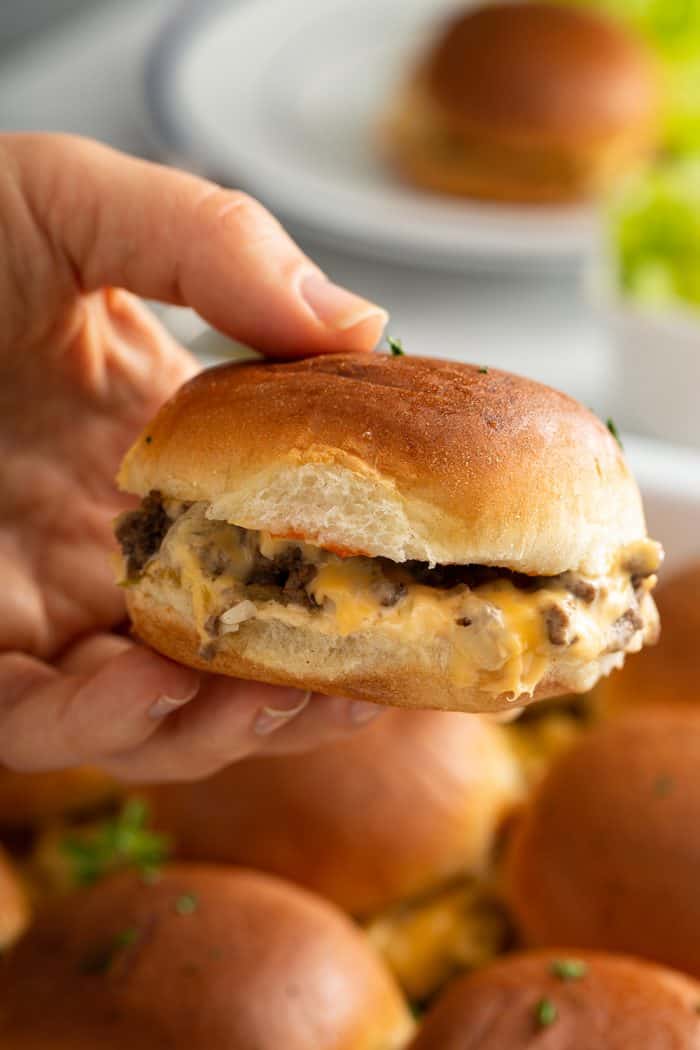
[[282, 97]]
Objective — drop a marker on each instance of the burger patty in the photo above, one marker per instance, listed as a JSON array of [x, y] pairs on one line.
[[287, 576], [141, 532]]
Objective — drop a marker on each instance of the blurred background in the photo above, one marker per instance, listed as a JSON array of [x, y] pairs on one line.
[[208, 86], [289, 99]]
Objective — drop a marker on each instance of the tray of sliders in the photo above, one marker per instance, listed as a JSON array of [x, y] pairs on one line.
[[463, 545]]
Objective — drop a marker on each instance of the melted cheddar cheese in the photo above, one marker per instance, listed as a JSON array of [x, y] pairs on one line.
[[493, 635]]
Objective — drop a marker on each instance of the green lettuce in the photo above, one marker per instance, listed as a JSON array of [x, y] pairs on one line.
[[672, 28], [654, 225]]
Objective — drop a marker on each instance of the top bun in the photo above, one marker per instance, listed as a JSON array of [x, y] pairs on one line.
[[541, 71], [418, 799], [607, 853], [401, 457], [202, 959], [552, 1001]]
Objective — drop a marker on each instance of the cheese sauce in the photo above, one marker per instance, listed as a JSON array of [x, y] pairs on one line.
[[495, 634]]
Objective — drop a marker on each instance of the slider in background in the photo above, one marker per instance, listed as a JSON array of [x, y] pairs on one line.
[[201, 958], [398, 824], [526, 102], [28, 800], [563, 1000], [606, 854]]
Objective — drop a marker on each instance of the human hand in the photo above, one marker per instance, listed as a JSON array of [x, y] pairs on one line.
[[83, 366]]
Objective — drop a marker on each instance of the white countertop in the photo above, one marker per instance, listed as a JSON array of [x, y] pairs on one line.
[[85, 77]]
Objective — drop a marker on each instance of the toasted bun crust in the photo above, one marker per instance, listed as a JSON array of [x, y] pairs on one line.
[[619, 1004], [415, 799], [526, 102], [27, 799], [608, 854], [668, 673], [364, 666], [397, 456], [14, 903], [254, 962]]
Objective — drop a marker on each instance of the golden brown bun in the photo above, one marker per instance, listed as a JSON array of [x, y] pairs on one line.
[[669, 673], [14, 903], [202, 959], [608, 853], [366, 821], [526, 102], [403, 457], [28, 799], [618, 1004]]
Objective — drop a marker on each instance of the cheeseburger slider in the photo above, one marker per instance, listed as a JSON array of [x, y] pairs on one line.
[[201, 959], [417, 799], [398, 529], [525, 102], [562, 1000], [28, 800], [608, 853]]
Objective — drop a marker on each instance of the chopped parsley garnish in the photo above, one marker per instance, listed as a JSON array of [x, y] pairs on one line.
[[395, 346], [569, 969], [662, 786], [545, 1013], [187, 904], [610, 424], [123, 841], [101, 960], [484, 370]]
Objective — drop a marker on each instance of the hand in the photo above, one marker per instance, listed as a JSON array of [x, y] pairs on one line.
[[83, 366]]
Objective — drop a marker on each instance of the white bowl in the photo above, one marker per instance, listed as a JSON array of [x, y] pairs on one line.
[[655, 373]]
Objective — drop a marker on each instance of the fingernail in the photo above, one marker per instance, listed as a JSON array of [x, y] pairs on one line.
[[361, 712], [271, 718], [336, 307], [165, 705]]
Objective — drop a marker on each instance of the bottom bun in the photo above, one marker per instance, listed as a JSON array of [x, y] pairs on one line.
[[362, 666]]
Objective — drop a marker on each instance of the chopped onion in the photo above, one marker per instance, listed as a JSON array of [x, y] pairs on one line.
[[235, 616]]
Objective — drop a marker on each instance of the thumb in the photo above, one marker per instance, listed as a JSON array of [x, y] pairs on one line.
[[164, 234]]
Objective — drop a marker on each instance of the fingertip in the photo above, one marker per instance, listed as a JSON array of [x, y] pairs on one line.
[[147, 675], [358, 322]]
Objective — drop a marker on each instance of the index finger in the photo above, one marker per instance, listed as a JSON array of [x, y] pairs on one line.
[[164, 234]]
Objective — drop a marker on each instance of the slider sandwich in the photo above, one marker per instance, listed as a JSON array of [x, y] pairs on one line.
[[411, 531]]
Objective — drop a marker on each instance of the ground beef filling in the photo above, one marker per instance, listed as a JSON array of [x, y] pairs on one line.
[[141, 532], [284, 578], [287, 577]]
